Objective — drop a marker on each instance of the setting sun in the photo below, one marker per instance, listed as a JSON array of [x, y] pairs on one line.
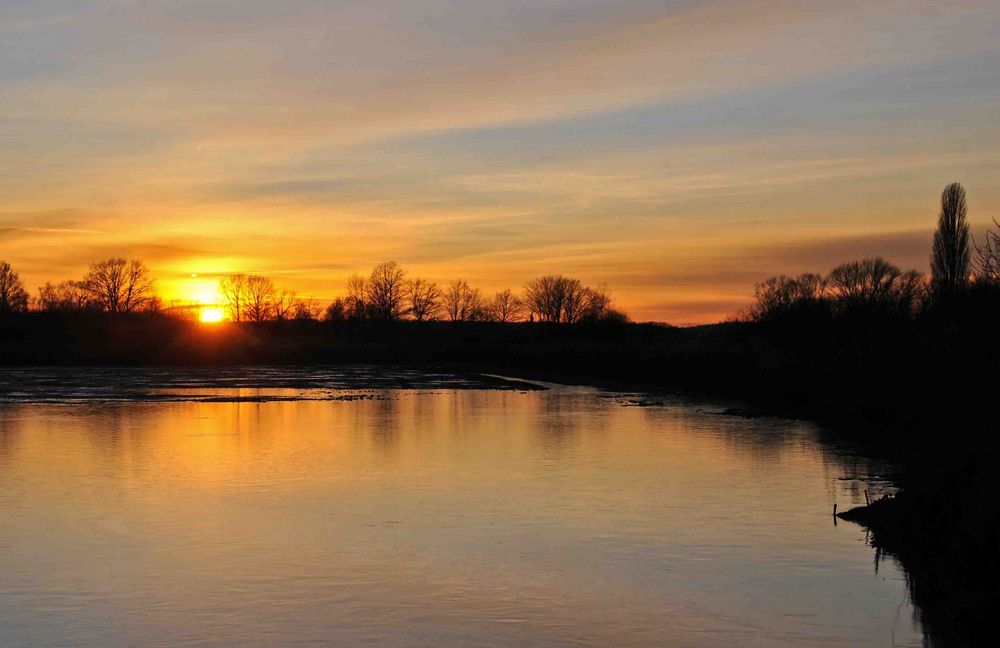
[[211, 315]]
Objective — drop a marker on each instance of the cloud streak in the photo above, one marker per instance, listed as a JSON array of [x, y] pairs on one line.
[[676, 151]]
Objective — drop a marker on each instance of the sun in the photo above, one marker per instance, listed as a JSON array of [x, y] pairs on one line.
[[211, 315]]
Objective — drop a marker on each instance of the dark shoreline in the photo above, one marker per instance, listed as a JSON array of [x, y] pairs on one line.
[[130, 384]]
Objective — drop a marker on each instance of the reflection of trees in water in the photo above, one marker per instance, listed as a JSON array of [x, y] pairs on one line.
[[563, 417], [131, 437], [255, 423], [945, 539], [767, 440], [422, 417], [383, 425], [951, 614], [104, 427], [10, 431], [762, 442], [950, 611], [944, 532], [108, 435]]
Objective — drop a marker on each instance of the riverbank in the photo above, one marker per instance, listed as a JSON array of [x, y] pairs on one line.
[[885, 380], [946, 541]]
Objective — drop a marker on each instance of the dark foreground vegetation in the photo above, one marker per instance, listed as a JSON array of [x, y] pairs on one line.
[[903, 364]]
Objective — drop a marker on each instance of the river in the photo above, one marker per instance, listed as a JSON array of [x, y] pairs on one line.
[[355, 506]]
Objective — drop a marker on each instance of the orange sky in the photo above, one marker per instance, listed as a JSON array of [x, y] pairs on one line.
[[677, 152]]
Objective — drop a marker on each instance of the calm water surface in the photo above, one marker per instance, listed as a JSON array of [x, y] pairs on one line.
[[431, 516]]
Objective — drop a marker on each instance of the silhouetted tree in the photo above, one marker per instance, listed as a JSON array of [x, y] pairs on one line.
[[988, 257], [355, 303], [234, 296], [255, 298], [385, 292], [555, 298], [305, 310], [910, 292], [544, 298], [423, 298], [596, 304], [780, 296], [285, 303], [574, 301], [13, 296], [462, 302], [951, 258], [119, 286], [259, 299], [337, 311], [869, 280], [506, 307], [64, 296], [152, 305], [875, 285]]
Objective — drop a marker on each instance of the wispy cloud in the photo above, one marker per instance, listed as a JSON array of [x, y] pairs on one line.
[[677, 151]]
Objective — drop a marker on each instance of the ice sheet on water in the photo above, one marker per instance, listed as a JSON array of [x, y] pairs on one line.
[[229, 384]]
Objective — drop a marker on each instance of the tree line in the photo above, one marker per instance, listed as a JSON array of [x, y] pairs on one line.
[[126, 286], [875, 286], [115, 286], [254, 298], [387, 293]]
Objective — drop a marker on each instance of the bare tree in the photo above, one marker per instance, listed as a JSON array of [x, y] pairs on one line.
[[13, 296], [152, 305], [875, 285], [355, 304], [255, 298], [596, 304], [781, 295], [543, 297], [574, 300], [305, 310], [910, 292], [337, 311], [119, 286], [234, 296], [951, 259], [462, 302], [232, 290], [285, 304], [424, 299], [260, 298], [868, 281], [988, 257], [555, 298], [506, 307], [64, 296], [385, 292]]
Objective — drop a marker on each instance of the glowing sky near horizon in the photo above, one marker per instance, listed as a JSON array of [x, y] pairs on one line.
[[675, 151]]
